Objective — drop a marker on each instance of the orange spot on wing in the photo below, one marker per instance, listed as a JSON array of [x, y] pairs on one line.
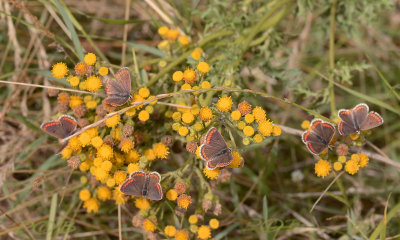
[[203, 154], [328, 125], [315, 124], [209, 136], [311, 148]]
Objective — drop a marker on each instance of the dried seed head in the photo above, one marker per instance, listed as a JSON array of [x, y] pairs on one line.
[[83, 122], [180, 211], [224, 175], [100, 111], [74, 162], [80, 111], [139, 137], [108, 140], [127, 130], [191, 146], [180, 187], [151, 236], [206, 204], [137, 220], [108, 107], [52, 92], [37, 181], [62, 108], [93, 181], [167, 140], [63, 98], [342, 149], [244, 108], [217, 209]]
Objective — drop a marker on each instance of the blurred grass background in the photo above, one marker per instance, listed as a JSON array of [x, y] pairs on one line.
[[321, 55]]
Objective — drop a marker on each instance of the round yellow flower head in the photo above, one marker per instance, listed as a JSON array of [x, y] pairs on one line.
[[149, 225], [171, 195], [91, 205], [259, 114], [342, 159], [176, 116], [100, 174], [183, 131], [133, 167], [265, 127], [224, 104], [352, 166], [103, 193], [196, 54], [90, 59], [66, 153], [203, 67], [193, 219], [249, 118], [322, 168], [172, 34], [204, 232], [126, 145], [193, 228], [84, 138], [106, 165], [110, 182], [187, 117], [59, 70], [337, 166], [160, 150], [113, 121], [74, 144], [189, 75], [97, 162], [195, 110], [119, 177], [276, 130], [364, 159], [248, 131], [355, 157], [214, 223], [236, 115], [182, 235], [75, 101], [237, 160], [74, 81], [119, 196], [198, 127], [144, 116], [177, 76], [144, 92], [305, 124], [84, 166], [96, 142], [206, 114], [170, 231], [258, 138], [150, 155], [93, 83], [184, 40], [105, 152], [184, 201], [84, 194], [92, 104], [103, 71], [142, 204], [211, 173], [163, 30], [205, 85]]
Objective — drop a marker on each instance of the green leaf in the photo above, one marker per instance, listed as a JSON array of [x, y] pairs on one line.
[[226, 231]]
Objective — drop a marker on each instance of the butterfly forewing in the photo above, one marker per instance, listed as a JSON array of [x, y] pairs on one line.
[[345, 129], [134, 185], [115, 100], [124, 79], [154, 190], [316, 148], [68, 123], [214, 138], [54, 128], [222, 159], [360, 113], [328, 130], [207, 151], [371, 121]]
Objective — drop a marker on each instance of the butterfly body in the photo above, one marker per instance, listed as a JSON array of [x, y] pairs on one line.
[[358, 119], [118, 91], [215, 151], [319, 136], [142, 184]]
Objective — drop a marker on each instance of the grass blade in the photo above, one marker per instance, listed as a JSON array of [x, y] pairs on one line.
[[53, 208]]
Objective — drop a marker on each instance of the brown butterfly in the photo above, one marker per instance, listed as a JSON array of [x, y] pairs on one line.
[[215, 151]]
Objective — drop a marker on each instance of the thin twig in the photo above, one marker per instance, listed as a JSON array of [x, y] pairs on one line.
[[327, 188], [119, 222], [174, 105]]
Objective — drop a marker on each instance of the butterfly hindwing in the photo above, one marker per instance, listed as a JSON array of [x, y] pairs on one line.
[[154, 190], [134, 185], [371, 121], [124, 79], [68, 123]]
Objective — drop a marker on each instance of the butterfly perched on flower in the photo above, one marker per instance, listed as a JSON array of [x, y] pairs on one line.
[[318, 137], [141, 184], [215, 151], [61, 128], [358, 119], [118, 90]]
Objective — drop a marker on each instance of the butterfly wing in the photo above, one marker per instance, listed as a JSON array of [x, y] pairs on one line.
[[134, 185], [207, 151], [372, 120], [316, 147], [347, 125], [124, 80], [55, 129], [214, 138], [68, 123], [115, 100], [116, 95], [154, 190], [222, 159], [328, 131], [360, 113]]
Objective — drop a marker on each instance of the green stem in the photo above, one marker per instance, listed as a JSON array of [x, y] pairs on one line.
[[382, 225], [332, 57], [343, 190]]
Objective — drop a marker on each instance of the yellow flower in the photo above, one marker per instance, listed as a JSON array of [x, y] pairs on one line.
[[237, 160], [259, 114], [184, 201], [305, 124], [189, 75], [246, 141], [172, 34], [59, 70], [354, 136], [126, 145], [150, 155], [113, 121], [187, 117], [163, 45], [214, 223], [171, 195], [81, 68], [198, 127], [186, 86], [106, 165], [74, 144], [149, 109], [177, 76], [110, 182], [105, 152], [342, 159], [74, 81], [203, 67], [355, 157], [160, 150], [211, 174], [131, 112], [142, 204], [93, 83], [90, 59], [163, 30], [195, 110], [84, 194], [205, 85], [97, 162], [265, 127], [352, 166], [258, 138], [193, 228], [84, 138], [183, 131], [337, 166], [364, 159], [91, 104], [103, 193], [119, 196], [193, 219], [119, 176], [66, 153], [170, 230], [100, 174], [176, 116], [83, 179], [196, 54], [149, 226], [91, 205], [248, 131], [103, 71], [322, 168], [144, 92], [182, 235], [224, 104], [84, 166], [144, 116], [75, 101], [133, 167], [96, 142], [206, 114], [204, 232], [249, 118], [184, 40], [276, 130], [132, 156]]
